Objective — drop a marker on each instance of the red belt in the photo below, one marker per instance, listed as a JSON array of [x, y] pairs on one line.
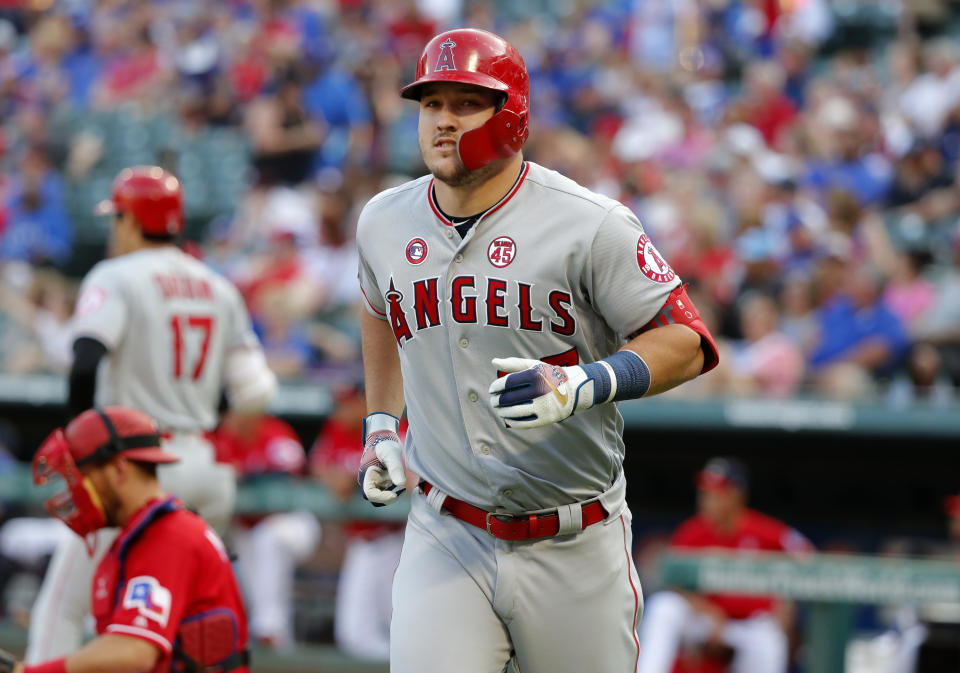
[[509, 527]]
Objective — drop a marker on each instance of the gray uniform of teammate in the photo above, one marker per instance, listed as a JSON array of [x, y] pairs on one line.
[[177, 334]]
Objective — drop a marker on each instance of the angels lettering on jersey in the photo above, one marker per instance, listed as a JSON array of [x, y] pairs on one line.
[[474, 300]]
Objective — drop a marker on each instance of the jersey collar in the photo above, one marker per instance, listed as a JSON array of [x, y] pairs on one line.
[[489, 211]]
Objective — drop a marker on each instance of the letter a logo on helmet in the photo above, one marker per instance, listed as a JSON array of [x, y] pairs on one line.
[[488, 61], [445, 60]]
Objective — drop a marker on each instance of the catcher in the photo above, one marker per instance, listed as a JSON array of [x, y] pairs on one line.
[[164, 597]]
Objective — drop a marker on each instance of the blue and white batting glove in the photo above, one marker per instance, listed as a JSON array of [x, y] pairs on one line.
[[381, 475], [534, 393]]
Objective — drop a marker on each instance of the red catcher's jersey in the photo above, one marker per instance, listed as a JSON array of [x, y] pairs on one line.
[[164, 567], [753, 532]]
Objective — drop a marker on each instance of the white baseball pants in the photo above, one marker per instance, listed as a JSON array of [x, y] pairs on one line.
[[267, 559], [361, 623], [465, 601], [759, 643]]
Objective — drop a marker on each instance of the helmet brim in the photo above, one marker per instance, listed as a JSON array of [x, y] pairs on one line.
[[105, 207], [412, 90], [153, 454]]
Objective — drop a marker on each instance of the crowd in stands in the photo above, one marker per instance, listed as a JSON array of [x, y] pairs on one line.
[[795, 162]]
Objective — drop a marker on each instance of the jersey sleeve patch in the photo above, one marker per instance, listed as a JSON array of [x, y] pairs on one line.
[[651, 263], [149, 598], [90, 301]]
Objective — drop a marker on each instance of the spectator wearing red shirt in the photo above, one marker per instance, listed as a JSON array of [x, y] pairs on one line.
[[362, 618], [752, 626], [269, 546]]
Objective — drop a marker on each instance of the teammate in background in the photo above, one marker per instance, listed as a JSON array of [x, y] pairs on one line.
[[165, 594], [361, 625], [156, 330], [269, 546], [502, 299], [752, 626]]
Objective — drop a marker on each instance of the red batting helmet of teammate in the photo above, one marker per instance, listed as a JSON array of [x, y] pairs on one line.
[[93, 438], [152, 195], [471, 56]]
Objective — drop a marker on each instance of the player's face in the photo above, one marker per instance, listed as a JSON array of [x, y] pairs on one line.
[[446, 111], [101, 479], [719, 506]]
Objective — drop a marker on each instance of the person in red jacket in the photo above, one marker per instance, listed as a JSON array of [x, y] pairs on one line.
[[752, 626], [165, 596]]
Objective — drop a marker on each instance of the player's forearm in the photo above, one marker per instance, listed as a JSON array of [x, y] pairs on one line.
[[106, 654], [87, 353], [381, 367], [672, 353]]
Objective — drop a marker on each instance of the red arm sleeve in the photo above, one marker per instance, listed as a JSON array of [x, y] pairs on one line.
[[679, 309]]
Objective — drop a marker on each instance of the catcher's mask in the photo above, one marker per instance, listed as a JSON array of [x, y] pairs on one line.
[[93, 437]]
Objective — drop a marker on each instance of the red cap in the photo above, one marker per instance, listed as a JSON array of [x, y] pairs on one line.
[[951, 505]]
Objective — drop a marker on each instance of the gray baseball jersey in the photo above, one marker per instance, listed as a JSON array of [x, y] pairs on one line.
[[553, 272], [168, 321]]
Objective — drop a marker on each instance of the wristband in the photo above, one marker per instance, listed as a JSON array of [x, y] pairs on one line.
[[54, 666], [622, 376], [380, 420]]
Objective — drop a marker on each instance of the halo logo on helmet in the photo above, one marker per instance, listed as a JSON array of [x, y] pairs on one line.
[[94, 436], [445, 60], [488, 61]]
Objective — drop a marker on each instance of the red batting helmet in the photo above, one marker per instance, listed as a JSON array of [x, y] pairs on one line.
[[471, 56], [153, 195]]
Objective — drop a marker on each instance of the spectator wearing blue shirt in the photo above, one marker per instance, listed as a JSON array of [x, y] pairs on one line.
[[858, 331], [39, 229], [335, 97]]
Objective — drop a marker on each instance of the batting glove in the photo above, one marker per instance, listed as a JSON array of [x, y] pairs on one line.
[[534, 393], [381, 475]]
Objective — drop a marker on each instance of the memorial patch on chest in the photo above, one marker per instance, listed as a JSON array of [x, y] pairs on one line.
[[501, 251]]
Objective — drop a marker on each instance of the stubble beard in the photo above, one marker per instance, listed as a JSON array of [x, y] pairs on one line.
[[461, 176]]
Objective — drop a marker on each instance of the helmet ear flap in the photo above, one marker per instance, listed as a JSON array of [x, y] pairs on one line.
[[500, 137]]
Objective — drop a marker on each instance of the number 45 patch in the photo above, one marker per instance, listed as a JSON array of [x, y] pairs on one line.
[[149, 598]]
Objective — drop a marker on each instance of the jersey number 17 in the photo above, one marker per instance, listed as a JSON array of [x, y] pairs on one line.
[[180, 324]]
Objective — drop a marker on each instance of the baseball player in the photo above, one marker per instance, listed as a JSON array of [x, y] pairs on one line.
[[157, 330], [164, 597], [508, 307], [751, 626]]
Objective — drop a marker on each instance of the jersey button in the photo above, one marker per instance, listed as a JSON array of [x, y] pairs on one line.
[[464, 342], [473, 397], [448, 233], [485, 449], [458, 258], [506, 492]]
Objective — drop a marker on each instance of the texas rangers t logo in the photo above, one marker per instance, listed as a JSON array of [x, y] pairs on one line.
[[150, 598], [445, 60]]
